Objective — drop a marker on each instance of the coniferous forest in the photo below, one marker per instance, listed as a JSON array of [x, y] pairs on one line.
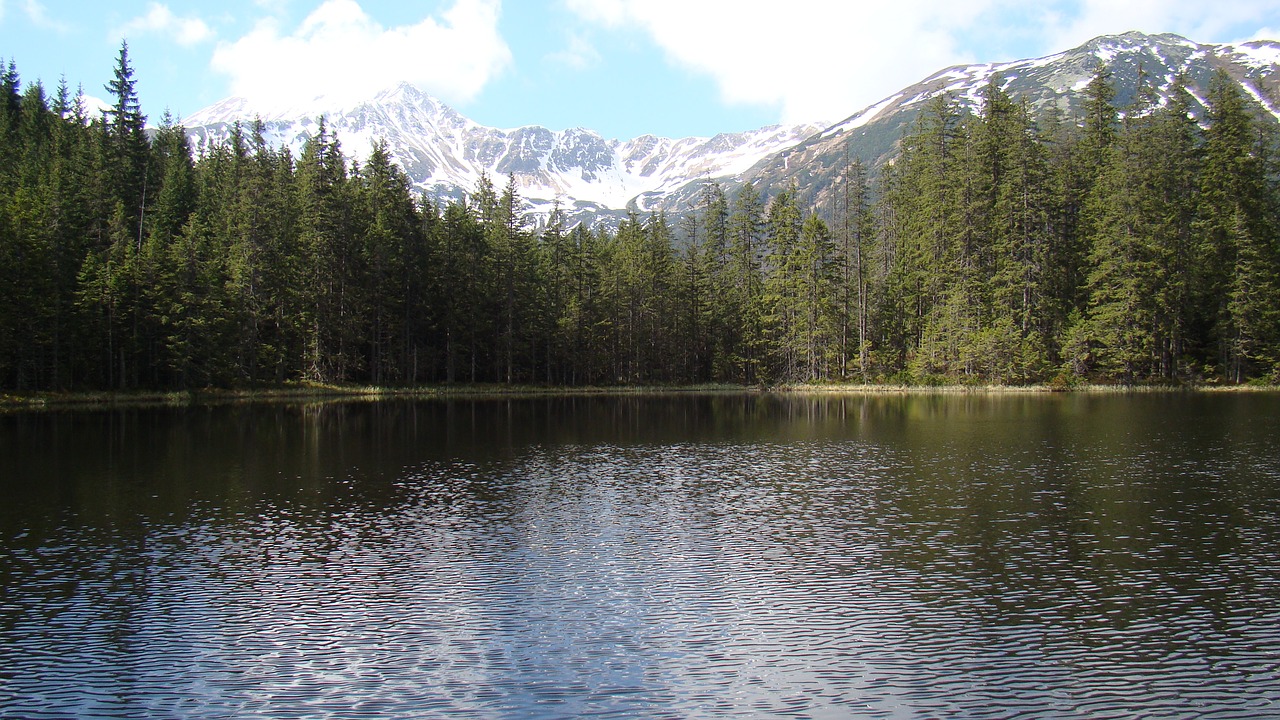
[[1128, 245]]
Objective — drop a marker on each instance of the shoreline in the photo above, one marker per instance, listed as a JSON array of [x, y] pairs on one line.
[[15, 401]]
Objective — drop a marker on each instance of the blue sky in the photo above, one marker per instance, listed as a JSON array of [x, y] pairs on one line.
[[620, 67]]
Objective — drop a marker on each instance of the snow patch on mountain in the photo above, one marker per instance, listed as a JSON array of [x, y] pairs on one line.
[[862, 118]]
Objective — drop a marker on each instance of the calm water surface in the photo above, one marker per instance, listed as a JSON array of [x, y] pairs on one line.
[[668, 556]]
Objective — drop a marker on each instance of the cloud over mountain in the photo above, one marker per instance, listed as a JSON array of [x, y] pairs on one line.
[[812, 59], [339, 49]]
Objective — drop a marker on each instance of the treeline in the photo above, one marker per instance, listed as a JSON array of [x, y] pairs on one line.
[[994, 249]]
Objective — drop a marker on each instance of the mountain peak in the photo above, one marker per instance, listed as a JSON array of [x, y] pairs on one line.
[[247, 109]]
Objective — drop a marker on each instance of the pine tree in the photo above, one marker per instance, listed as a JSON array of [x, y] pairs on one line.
[[127, 150], [1115, 336], [1141, 215], [555, 268], [249, 202], [515, 264], [782, 288], [1238, 230], [691, 300], [1175, 141], [584, 316], [390, 248], [28, 243], [921, 317], [722, 329], [332, 261], [853, 265], [1016, 174], [1101, 122], [176, 199], [816, 332], [77, 193], [745, 231]]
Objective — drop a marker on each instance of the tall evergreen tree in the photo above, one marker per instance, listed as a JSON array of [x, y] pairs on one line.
[[392, 256], [1237, 226], [1101, 121], [333, 261], [127, 150], [1141, 215], [782, 289], [555, 268], [462, 258], [745, 231], [924, 230], [515, 264], [854, 266]]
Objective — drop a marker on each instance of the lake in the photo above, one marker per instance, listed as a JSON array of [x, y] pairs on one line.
[[646, 556]]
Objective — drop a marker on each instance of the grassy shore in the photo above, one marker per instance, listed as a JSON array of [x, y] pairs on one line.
[[315, 392]]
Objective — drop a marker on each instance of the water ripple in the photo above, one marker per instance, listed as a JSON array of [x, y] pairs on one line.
[[845, 576]]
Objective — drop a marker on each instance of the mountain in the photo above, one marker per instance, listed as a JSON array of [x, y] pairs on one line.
[[1056, 81], [445, 153]]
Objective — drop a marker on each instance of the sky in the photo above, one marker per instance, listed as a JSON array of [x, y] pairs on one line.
[[623, 68]]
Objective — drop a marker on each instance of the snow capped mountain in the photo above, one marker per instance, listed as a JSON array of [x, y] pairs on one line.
[[445, 153], [1055, 81]]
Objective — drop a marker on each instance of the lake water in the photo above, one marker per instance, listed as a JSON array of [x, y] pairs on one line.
[[680, 556]]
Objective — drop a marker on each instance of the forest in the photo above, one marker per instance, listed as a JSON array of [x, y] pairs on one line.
[[1128, 245]]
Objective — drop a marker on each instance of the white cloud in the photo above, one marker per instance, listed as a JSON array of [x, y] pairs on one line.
[[159, 19], [339, 51], [812, 59], [825, 60]]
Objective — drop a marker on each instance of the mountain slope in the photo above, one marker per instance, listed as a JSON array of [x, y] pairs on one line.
[[445, 153], [1057, 81]]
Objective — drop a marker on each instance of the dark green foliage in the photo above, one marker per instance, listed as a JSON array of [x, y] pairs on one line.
[[1139, 314], [994, 249], [125, 144], [1237, 234]]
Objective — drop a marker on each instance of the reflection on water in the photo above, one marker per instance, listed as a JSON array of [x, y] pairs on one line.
[[662, 556]]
